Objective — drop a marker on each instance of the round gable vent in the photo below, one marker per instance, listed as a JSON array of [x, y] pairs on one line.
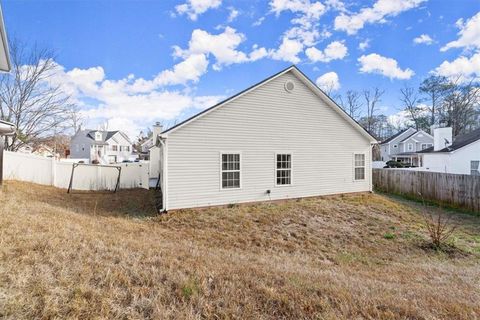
[[289, 86]]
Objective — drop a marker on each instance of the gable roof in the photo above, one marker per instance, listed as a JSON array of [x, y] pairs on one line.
[[106, 135], [396, 135], [302, 77], [414, 134], [458, 142]]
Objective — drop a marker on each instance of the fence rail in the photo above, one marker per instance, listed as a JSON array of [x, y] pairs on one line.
[[48, 171], [457, 190]]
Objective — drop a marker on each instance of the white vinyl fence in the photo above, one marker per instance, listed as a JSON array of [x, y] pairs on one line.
[[48, 171]]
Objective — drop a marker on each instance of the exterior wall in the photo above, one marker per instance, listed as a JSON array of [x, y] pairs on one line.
[[80, 147], [259, 124], [387, 150], [117, 140], [455, 162]]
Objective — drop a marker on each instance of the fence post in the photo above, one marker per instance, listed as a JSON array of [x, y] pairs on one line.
[[54, 172]]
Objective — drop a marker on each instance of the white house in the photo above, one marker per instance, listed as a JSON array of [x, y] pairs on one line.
[[281, 138], [404, 146], [460, 157], [100, 145]]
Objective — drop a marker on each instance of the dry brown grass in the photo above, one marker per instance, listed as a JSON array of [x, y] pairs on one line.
[[108, 256]]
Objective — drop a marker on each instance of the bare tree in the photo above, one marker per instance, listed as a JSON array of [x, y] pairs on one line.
[[435, 88], [372, 99], [410, 103], [351, 104], [460, 107], [29, 99]]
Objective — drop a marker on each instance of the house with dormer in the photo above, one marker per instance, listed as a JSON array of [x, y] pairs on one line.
[[101, 145], [405, 145]]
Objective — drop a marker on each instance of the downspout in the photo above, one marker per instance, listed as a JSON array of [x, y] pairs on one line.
[[163, 148]]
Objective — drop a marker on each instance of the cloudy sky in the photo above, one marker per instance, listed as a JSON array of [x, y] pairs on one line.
[[132, 63]]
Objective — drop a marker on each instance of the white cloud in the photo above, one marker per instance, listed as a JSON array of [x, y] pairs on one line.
[[223, 46], [364, 45], [233, 14], [375, 63], [335, 50], [463, 68], [127, 104], [469, 34], [191, 69], [288, 51], [423, 39], [305, 23], [376, 14], [194, 8], [258, 22], [328, 82]]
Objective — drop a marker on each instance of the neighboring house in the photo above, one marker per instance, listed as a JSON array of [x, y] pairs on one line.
[[281, 138], [102, 146], [404, 146], [460, 157]]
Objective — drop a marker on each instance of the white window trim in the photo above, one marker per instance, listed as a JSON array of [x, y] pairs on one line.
[[220, 170], [364, 167], [410, 147], [471, 169], [275, 170]]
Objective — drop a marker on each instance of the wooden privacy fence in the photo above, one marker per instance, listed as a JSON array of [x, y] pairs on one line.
[[457, 190]]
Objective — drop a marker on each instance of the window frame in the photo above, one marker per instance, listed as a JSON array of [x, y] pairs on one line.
[[478, 168], [427, 145], [220, 166], [364, 166], [275, 169], [115, 147], [410, 147]]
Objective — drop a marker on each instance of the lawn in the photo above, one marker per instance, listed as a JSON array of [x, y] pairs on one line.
[[362, 256]]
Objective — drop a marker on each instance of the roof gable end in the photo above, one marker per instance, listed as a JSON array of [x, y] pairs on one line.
[[304, 79]]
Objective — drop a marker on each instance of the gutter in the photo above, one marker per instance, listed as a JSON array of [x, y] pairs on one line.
[[7, 128]]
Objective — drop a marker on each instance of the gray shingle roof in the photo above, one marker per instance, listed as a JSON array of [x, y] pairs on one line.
[[458, 142]]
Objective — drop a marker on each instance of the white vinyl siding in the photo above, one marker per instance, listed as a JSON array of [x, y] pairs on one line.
[[283, 169], [262, 123]]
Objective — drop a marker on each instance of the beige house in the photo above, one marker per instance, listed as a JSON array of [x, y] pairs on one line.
[[281, 138]]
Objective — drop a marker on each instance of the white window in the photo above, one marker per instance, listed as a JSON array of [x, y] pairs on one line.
[[77, 147], [475, 167], [98, 136], [230, 170], [359, 166], [410, 147], [283, 169], [83, 147], [114, 147], [426, 145]]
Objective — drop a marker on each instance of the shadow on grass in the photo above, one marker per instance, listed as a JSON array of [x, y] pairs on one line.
[[137, 203]]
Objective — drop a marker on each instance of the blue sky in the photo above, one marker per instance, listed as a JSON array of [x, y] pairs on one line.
[[135, 62]]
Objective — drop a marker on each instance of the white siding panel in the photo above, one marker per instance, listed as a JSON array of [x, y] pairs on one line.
[[265, 121]]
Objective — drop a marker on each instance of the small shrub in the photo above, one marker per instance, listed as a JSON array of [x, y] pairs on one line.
[[389, 235], [189, 289], [232, 205], [438, 226]]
